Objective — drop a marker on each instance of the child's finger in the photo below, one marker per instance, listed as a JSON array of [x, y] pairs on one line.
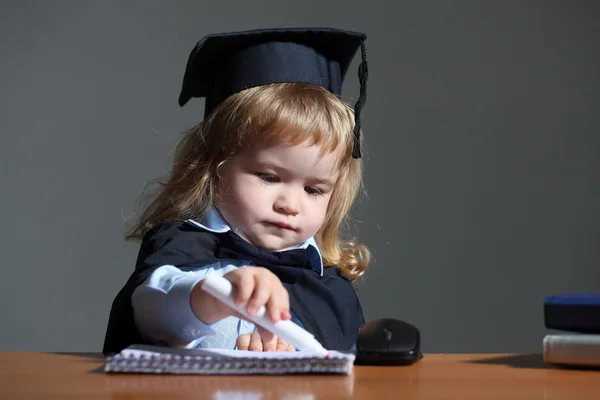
[[245, 285], [284, 305], [290, 348], [269, 341], [273, 310], [278, 305], [262, 292], [243, 341], [281, 344], [255, 342]]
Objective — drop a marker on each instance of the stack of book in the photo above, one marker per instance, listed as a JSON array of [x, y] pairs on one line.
[[576, 318]]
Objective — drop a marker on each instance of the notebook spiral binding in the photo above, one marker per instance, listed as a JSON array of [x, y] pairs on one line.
[[209, 365]]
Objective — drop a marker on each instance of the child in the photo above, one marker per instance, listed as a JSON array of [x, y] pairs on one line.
[[258, 193]]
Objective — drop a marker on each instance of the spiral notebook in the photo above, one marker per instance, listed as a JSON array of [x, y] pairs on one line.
[[144, 359]]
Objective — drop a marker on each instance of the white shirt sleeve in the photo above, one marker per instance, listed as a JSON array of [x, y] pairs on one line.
[[163, 314]]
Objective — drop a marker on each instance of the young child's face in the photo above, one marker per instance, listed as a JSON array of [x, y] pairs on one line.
[[276, 196]]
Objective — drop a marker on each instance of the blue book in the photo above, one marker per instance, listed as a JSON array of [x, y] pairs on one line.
[[573, 313]]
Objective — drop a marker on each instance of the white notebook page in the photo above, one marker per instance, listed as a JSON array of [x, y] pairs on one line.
[[144, 350]]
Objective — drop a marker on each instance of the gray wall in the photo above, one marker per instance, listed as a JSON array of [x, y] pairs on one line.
[[483, 156]]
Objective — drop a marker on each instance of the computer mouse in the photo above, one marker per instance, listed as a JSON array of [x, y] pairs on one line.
[[388, 341]]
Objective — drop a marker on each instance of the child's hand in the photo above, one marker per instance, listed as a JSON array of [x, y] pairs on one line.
[[260, 287], [262, 340], [255, 285]]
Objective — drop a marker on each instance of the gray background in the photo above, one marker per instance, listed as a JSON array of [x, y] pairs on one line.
[[483, 156]]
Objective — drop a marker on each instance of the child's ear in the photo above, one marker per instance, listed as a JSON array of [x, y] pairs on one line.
[[220, 172]]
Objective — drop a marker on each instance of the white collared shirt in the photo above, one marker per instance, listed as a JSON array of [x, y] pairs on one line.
[[161, 304]]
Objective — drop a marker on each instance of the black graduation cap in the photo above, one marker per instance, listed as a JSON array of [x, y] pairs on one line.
[[223, 64]]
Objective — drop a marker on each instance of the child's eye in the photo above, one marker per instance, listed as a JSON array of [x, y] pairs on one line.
[[268, 178], [313, 191]]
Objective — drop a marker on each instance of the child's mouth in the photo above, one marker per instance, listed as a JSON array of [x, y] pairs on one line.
[[282, 225]]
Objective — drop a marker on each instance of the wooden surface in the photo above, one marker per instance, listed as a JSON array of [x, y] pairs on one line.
[[65, 376]]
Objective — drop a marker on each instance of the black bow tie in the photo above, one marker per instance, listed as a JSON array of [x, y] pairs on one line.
[[287, 265]]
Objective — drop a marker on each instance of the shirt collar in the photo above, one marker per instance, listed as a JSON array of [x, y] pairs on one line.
[[214, 222]]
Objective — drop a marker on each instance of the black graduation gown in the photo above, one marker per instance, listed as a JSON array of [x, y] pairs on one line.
[[327, 305]]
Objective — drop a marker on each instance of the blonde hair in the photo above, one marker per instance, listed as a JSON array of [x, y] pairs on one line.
[[292, 113]]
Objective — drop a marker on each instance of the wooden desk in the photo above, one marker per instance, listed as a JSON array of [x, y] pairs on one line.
[[64, 376]]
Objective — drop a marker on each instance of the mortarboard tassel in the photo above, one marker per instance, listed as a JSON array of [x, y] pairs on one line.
[[363, 73]]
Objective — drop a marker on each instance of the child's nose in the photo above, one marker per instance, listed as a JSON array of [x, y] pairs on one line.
[[286, 203]]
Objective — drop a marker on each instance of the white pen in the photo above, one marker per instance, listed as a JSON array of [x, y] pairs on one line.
[[295, 335]]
